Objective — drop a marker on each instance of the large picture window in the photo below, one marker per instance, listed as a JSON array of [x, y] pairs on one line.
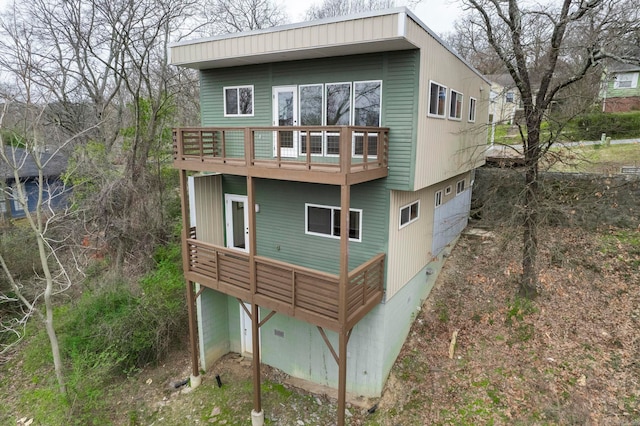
[[238, 101], [437, 99], [339, 104], [325, 221]]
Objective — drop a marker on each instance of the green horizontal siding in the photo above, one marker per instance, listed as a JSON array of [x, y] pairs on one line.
[[281, 223], [397, 70], [400, 109]]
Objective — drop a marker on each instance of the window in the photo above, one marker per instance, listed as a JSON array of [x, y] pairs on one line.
[[510, 97], [409, 213], [627, 80], [238, 101], [447, 190], [472, 110], [325, 221], [459, 186], [340, 104], [438, 198], [311, 115], [366, 112], [437, 99], [455, 108]]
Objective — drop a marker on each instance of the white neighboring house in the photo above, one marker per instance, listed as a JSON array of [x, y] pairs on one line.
[[504, 99]]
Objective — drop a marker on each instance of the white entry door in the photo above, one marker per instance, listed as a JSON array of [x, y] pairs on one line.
[[285, 113], [246, 338], [237, 221]]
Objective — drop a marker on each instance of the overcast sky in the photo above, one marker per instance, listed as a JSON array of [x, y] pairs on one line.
[[438, 15]]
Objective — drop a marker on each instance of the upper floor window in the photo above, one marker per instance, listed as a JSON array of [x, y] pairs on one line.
[[325, 221], [627, 80], [472, 110], [510, 97], [409, 213], [460, 186], [437, 99], [455, 109], [238, 101], [336, 104]]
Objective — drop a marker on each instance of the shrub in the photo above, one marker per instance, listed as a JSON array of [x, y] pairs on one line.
[[617, 126]]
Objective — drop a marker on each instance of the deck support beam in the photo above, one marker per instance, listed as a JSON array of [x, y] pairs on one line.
[[345, 198], [190, 296]]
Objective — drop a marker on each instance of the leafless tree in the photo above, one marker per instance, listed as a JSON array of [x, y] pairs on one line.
[[331, 8], [548, 48], [233, 16]]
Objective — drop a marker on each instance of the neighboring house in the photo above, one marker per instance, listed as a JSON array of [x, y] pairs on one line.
[[369, 114], [504, 99], [54, 194], [620, 91]]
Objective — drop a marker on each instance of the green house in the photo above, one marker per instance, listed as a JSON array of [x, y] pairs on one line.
[[370, 114], [620, 90]]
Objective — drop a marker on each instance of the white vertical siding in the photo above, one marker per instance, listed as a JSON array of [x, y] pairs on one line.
[[209, 209], [411, 248], [446, 148]]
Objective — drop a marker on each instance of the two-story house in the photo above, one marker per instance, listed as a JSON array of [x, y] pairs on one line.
[[620, 89], [333, 169]]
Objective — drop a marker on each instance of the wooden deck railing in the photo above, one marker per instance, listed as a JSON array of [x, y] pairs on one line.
[[332, 149], [304, 293]]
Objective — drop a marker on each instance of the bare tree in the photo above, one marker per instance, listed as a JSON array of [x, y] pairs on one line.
[[331, 8], [548, 48], [233, 16]]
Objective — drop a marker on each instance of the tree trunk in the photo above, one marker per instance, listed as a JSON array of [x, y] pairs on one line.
[[529, 280], [48, 322]]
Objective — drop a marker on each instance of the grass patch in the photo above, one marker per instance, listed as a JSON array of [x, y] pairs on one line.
[[596, 158]]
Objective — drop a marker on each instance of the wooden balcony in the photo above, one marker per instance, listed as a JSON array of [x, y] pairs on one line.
[[302, 293], [324, 154]]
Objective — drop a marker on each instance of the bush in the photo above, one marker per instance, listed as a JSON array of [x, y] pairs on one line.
[[133, 328], [617, 126]]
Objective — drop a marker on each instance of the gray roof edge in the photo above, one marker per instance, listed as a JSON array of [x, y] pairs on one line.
[[371, 14], [303, 24]]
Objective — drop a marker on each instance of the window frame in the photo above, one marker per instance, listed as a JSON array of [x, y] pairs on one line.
[[323, 148], [460, 186], [447, 190], [510, 97], [332, 209], [471, 115], [633, 80], [444, 109], [453, 97], [437, 199], [411, 220], [237, 89], [353, 122]]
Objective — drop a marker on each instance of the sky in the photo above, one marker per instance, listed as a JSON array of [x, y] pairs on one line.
[[438, 15]]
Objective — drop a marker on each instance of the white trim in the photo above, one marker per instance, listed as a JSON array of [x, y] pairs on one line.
[[451, 99], [446, 97], [410, 221], [238, 87], [458, 189], [437, 199], [632, 78], [244, 317], [228, 202], [473, 104], [447, 190], [332, 208]]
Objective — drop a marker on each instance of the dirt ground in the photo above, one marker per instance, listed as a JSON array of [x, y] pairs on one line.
[[570, 357]]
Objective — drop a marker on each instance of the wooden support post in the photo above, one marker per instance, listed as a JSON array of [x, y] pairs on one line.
[[255, 341], [257, 417], [193, 327], [345, 195]]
